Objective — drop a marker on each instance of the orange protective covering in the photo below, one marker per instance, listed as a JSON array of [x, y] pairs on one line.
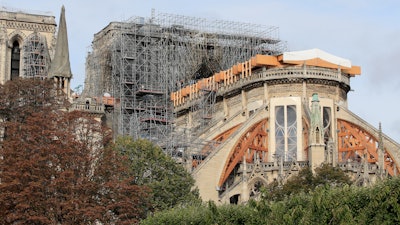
[[235, 69], [107, 100], [185, 91], [202, 83], [264, 60], [354, 70], [219, 76]]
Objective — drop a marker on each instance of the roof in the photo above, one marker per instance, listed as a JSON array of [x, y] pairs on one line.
[[60, 66], [315, 56]]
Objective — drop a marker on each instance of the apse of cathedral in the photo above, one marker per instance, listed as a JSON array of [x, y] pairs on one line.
[[275, 115]]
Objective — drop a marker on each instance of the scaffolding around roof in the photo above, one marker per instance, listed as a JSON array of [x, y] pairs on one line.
[[142, 60]]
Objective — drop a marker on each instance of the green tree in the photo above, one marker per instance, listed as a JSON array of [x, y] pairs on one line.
[[171, 184], [326, 174], [305, 181], [378, 204]]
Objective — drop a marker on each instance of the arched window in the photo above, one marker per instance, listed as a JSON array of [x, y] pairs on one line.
[[286, 132], [326, 116], [317, 135], [15, 61]]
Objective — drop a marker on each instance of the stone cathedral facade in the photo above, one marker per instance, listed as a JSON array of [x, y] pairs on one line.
[[26, 43], [31, 46]]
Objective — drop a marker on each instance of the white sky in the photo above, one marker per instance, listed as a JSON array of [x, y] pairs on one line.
[[365, 31]]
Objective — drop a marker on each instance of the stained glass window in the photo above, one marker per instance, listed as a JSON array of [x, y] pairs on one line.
[[286, 132]]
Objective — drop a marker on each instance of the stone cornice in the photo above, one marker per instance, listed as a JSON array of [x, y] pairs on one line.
[[276, 76], [48, 28]]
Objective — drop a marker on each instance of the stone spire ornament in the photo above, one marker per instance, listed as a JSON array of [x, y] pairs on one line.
[[60, 68], [317, 145]]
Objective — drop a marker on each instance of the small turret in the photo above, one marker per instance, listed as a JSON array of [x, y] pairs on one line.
[[317, 145]]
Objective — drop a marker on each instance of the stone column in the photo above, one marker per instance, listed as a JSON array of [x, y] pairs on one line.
[[244, 104]]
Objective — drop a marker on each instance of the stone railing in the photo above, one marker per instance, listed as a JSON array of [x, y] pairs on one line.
[[273, 166], [265, 167], [273, 74], [358, 167], [91, 108], [286, 73]]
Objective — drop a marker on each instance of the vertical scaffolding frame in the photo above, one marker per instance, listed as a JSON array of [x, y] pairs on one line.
[[151, 57], [36, 57]]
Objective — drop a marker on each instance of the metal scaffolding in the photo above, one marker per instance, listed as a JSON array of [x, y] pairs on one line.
[[36, 57], [142, 60]]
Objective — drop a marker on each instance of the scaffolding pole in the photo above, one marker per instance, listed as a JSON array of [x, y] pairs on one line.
[[143, 60], [36, 57]]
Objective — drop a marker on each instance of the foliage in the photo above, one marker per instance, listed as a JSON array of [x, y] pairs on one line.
[[169, 181], [205, 214], [23, 97], [54, 169], [305, 182], [378, 204], [326, 174]]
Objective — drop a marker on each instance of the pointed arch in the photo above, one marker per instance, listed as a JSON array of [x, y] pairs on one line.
[[306, 137], [16, 35], [216, 141], [15, 43], [252, 145], [15, 60], [219, 139], [356, 143], [317, 134], [255, 185]]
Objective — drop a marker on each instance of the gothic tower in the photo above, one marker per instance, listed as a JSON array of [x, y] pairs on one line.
[[26, 44], [60, 69]]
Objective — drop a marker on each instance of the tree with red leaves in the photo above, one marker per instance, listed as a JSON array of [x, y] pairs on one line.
[[55, 167]]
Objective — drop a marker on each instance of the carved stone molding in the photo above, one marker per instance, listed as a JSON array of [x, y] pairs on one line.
[[30, 26]]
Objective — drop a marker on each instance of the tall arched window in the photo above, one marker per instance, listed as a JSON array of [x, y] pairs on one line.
[[286, 132], [326, 116], [15, 61]]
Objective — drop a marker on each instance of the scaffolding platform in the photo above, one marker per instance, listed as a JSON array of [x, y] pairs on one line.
[[142, 92], [142, 60]]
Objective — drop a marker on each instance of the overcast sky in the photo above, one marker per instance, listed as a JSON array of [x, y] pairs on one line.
[[367, 32]]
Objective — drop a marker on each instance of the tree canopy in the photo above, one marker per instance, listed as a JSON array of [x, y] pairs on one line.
[[378, 204], [305, 181], [55, 168], [169, 181]]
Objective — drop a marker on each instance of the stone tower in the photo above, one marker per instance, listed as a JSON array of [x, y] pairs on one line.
[[26, 44]]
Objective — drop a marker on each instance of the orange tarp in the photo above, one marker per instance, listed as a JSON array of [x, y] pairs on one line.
[[219, 76], [236, 69], [354, 70], [264, 60], [185, 91], [202, 83]]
